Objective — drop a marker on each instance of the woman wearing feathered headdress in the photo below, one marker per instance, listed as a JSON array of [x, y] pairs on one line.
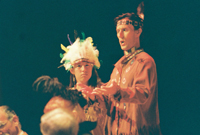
[[81, 59]]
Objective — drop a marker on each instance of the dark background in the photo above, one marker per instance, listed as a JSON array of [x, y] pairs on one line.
[[31, 32]]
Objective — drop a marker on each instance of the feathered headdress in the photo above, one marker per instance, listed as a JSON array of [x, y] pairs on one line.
[[80, 50], [140, 10]]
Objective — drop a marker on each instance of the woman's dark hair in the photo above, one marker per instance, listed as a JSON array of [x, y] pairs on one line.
[[94, 81], [46, 84]]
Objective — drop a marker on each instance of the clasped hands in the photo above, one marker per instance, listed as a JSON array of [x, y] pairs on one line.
[[109, 89]]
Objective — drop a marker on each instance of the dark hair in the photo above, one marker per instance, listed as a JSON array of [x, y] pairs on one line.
[[94, 81], [137, 22], [46, 84]]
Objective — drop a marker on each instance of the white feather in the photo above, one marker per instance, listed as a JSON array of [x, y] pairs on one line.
[[81, 49]]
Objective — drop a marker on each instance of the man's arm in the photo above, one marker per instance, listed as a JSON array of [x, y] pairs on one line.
[[144, 83]]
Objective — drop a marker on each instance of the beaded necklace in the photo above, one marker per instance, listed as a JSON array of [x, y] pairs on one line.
[[129, 57]]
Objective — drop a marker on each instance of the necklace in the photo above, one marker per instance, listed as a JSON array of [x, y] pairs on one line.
[[131, 56]]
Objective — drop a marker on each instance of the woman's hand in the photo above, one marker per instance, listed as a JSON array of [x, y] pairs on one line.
[[86, 91]]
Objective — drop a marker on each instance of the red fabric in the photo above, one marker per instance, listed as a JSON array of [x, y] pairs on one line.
[[56, 102], [138, 106]]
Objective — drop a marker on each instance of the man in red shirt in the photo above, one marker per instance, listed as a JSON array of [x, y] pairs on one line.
[[133, 83]]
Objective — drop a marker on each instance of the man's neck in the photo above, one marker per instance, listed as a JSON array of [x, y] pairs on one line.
[[130, 51]]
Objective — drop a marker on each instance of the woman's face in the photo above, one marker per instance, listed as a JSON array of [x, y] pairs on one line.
[[82, 72]]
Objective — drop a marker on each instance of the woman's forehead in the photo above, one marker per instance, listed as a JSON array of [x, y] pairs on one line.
[[82, 62]]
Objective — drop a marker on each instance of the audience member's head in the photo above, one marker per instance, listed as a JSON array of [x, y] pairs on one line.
[[9, 121], [46, 84], [58, 122], [62, 97]]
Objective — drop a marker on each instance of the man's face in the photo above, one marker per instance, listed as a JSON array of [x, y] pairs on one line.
[[7, 127], [127, 35]]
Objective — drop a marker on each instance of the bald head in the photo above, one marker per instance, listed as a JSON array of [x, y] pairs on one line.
[[58, 122]]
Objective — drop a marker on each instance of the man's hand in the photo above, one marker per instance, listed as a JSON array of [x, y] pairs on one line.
[[109, 89], [87, 92]]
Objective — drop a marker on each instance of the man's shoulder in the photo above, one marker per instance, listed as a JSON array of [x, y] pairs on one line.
[[143, 56], [24, 133]]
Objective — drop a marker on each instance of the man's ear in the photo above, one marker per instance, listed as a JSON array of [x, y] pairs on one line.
[[138, 32], [72, 71], [15, 120]]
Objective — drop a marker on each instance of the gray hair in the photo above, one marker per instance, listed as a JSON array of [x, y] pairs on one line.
[[58, 122], [10, 113]]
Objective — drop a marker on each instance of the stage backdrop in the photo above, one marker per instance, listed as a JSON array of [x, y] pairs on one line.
[[31, 33]]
